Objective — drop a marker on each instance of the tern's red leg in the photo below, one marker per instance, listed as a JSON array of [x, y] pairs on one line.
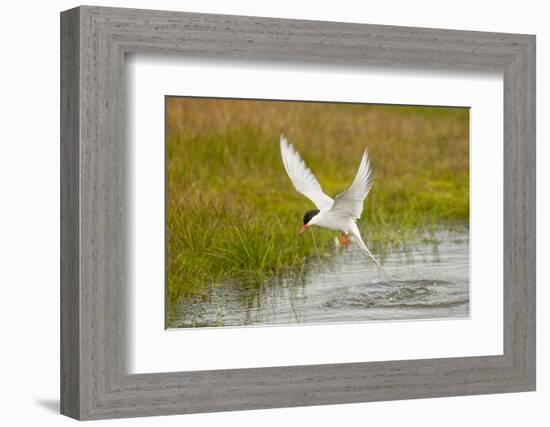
[[344, 240]]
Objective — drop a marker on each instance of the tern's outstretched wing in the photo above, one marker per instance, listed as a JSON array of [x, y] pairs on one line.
[[303, 180], [350, 202]]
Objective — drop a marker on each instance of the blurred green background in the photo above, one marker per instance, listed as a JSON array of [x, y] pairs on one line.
[[232, 215]]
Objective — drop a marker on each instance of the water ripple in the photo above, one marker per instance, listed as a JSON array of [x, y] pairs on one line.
[[429, 281]]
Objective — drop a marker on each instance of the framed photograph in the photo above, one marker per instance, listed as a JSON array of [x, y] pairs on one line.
[[243, 248], [261, 213]]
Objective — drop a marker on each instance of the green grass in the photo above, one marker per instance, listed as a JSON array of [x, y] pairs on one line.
[[233, 216]]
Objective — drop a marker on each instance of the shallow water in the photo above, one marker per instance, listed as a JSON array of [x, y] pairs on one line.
[[425, 281]]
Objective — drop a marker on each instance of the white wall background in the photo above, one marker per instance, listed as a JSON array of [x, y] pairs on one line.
[[29, 212]]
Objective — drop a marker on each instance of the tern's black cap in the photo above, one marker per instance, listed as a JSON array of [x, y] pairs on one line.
[[309, 215]]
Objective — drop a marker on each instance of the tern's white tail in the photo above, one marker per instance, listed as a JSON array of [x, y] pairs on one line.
[[357, 237]]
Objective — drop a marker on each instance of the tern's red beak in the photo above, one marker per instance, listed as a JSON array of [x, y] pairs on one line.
[[303, 228]]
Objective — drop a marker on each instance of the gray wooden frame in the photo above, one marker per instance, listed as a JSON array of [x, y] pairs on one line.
[[94, 41]]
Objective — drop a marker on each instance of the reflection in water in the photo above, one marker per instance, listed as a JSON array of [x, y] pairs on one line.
[[426, 281]]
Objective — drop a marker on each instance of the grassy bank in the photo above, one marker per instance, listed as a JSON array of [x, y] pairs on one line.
[[233, 216]]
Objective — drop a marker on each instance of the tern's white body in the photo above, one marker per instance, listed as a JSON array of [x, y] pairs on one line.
[[327, 219], [339, 214]]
